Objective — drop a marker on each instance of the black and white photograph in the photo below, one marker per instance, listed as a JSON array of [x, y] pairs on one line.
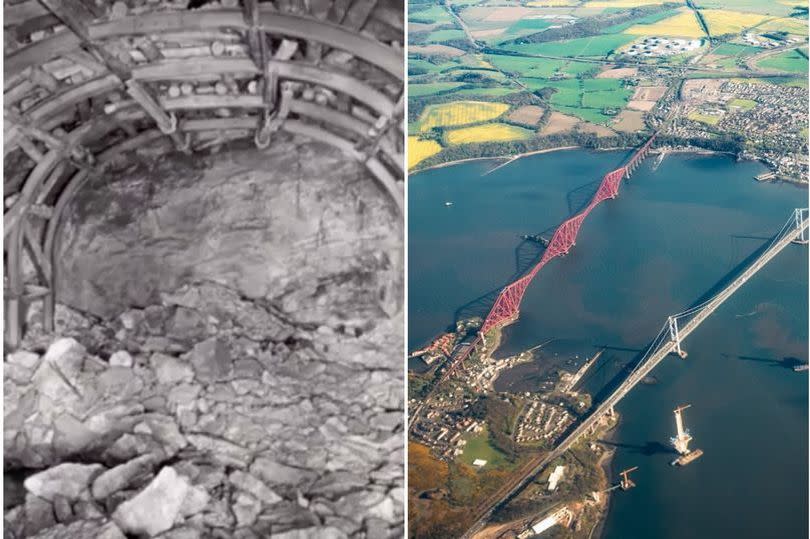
[[203, 269]]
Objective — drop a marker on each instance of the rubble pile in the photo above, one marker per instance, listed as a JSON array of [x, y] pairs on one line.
[[207, 415]]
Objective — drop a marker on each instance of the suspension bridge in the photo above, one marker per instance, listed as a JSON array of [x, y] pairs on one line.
[[676, 328], [507, 305]]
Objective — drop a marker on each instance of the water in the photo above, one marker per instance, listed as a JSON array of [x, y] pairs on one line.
[[670, 236]]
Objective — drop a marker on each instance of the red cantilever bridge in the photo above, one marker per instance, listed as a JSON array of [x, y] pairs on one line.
[[507, 305]]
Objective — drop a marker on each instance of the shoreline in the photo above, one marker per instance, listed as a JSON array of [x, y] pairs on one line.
[[679, 150], [505, 158]]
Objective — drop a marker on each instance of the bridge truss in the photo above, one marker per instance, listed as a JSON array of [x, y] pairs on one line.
[[507, 305]]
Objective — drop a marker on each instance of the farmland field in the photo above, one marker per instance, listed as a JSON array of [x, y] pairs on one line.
[[527, 115], [623, 3], [419, 150], [732, 49], [792, 25], [417, 65], [419, 90], [493, 132], [792, 61], [434, 14], [723, 21], [767, 7], [445, 35], [597, 46], [684, 24], [538, 67], [494, 91], [460, 113]]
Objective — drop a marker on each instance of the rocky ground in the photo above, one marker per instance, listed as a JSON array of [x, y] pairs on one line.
[[207, 414]]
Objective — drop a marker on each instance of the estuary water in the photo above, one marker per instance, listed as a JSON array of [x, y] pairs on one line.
[[672, 235]]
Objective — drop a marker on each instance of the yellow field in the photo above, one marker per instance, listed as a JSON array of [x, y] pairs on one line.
[[552, 3], [684, 24], [494, 132], [419, 150], [623, 3], [460, 113], [790, 25], [723, 21]]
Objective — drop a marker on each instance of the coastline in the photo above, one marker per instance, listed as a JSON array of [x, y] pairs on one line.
[[606, 465], [656, 151], [506, 158]]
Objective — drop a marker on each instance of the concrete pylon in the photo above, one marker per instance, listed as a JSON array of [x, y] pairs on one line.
[[675, 336]]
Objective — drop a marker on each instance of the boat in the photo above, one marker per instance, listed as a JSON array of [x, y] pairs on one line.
[[686, 458], [801, 368], [448, 203]]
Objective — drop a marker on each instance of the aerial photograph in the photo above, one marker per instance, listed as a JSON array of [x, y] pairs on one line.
[[608, 269]]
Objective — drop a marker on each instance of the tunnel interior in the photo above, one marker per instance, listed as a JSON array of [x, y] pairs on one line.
[[203, 268]]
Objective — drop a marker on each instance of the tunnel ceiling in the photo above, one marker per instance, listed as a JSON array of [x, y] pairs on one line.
[[86, 84]]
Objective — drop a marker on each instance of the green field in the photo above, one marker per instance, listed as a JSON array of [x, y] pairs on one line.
[[538, 67], [709, 119], [649, 19], [495, 91], [744, 104], [434, 14], [432, 88], [733, 49], [415, 65], [616, 99], [589, 115], [449, 34], [478, 447], [766, 7], [595, 47], [792, 61]]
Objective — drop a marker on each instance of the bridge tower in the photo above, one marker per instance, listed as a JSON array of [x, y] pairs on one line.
[[681, 441], [799, 216], [675, 336]]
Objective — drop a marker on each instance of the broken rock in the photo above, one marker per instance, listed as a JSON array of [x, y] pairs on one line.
[[67, 479], [155, 509]]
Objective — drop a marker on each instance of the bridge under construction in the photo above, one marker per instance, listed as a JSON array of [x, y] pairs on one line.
[[669, 339]]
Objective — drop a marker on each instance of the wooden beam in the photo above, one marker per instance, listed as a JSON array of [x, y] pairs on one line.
[[41, 263], [336, 81], [13, 300], [293, 26], [78, 18]]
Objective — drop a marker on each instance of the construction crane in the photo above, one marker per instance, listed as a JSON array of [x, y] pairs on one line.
[[626, 482]]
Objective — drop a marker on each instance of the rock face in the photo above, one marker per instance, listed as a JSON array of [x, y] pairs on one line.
[[282, 224], [236, 371]]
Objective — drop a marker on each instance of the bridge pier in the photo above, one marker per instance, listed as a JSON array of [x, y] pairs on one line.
[[675, 336]]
